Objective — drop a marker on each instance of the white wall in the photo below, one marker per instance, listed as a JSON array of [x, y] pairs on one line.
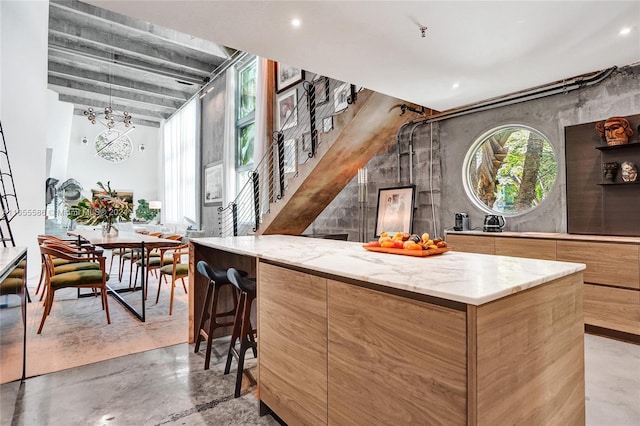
[[23, 111], [59, 115], [138, 174]]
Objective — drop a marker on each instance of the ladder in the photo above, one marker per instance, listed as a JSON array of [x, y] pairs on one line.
[[8, 198]]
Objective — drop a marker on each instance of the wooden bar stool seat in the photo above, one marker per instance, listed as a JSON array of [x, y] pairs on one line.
[[217, 279], [242, 329]]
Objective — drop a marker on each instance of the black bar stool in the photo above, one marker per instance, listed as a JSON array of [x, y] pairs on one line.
[[242, 329], [217, 279]]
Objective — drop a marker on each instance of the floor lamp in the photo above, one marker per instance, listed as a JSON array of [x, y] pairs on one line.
[[362, 204]]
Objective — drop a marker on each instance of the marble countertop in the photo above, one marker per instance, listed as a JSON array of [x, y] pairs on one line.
[[553, 236], [469, 278], [9, 259]]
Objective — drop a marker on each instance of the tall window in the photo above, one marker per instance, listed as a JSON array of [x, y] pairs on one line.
[[245, 121], [180, 190]]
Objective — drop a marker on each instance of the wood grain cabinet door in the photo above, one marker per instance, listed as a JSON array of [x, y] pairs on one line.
[[607, 263], [292, 344], [533, 248], [394, 361], [472, 243]]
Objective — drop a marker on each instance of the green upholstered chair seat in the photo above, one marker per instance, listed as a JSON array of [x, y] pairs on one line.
[[78, 266], [155, 261], [16, 273], [182, 269], [136, 254], [10, 286], [58, 261], [70, 279]]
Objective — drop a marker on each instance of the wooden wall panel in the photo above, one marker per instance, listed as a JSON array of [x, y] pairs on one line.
[[293, 344], [393, 360], [607, 263], [472, 243], [525, 342], [526, 247], [593, 208], [612, 308]]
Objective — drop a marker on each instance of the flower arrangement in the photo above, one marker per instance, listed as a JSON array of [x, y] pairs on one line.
[[106, 208]]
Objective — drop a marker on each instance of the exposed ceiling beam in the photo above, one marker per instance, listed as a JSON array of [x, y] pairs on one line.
[[127, 24], [85, 41], [80, 100], [141, 66], [151, 100], [81, 75], [138, 121]]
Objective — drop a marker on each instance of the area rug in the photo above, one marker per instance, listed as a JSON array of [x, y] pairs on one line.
[[76, 332]]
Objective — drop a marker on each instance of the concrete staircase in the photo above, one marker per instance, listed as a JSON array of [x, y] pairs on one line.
[[365, 129]]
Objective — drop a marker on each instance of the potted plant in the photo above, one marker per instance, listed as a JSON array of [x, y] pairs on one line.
[[106, 209]]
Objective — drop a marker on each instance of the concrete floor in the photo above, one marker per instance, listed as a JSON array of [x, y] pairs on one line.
[[169, 386]]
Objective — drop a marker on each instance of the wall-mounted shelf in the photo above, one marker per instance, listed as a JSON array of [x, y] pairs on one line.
[[619, 183], [616, 147]]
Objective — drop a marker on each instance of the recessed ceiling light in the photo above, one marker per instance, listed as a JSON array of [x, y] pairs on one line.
[[455, 85], [625, 31], [295, 22]]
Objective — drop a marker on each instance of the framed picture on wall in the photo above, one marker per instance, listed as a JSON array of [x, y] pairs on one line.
[[395, 210], [290, 156], [340, 96], [287, 76], [213, 183], [287, 110], [321, 90], [306, 141]]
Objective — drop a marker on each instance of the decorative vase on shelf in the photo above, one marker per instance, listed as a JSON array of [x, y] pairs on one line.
[[109, 230]]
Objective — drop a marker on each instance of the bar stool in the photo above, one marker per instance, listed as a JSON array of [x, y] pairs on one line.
[[242, 329], [217, 279]]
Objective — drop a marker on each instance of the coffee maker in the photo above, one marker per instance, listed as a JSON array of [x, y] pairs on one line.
[[493, 223], [462, 222]]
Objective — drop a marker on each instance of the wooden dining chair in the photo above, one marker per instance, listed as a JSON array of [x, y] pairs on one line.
[[177, 270], [95, 279], [155, 259]]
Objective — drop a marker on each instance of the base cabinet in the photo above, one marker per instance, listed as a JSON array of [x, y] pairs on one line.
[[612, 277], [338, 353]]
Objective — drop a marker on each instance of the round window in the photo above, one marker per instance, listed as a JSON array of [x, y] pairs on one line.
[[510, 170]]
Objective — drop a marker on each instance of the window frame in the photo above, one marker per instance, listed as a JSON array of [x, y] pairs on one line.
[[466, 175]]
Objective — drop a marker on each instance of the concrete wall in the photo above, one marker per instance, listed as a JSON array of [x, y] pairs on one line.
[[59, 120], [452, 138], [214, 116]]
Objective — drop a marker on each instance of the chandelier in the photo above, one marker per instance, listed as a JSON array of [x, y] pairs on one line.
[[111, 118]]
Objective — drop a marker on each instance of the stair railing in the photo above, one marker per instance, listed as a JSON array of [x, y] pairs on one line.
[[296, 142], [8, 197]]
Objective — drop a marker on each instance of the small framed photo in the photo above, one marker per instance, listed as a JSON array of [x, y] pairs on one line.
[[340, 96], [327, 124], [395, 210], [306, 141], [213, 183], [321, 90], [287, 76], [287, 110], [290, 156]]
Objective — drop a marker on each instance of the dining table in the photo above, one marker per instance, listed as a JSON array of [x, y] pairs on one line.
[[124, 240]]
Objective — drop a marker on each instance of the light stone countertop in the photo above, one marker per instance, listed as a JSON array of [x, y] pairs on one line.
[[469, 278], [9, 258], [553, 236]]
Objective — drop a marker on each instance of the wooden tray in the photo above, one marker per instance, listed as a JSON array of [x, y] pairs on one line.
[[406, 252]]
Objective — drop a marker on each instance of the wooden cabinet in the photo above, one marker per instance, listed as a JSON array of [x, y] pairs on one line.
[[612, 276], [394, 360], [292, 324], [525, 247], [472, 243], [607, 263]]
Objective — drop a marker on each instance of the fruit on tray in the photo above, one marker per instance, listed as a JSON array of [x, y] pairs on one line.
[[407, 241]]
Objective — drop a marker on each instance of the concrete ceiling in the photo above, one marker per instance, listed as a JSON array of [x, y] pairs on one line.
[[99, 58], [472, 50]]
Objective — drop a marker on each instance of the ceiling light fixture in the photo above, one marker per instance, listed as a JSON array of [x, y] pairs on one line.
[[423, 31], [455, 85], [111, 118], [625, 31], [206, 92], [295, 23]]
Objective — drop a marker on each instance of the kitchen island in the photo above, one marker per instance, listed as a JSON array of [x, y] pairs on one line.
[[348, 336]]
